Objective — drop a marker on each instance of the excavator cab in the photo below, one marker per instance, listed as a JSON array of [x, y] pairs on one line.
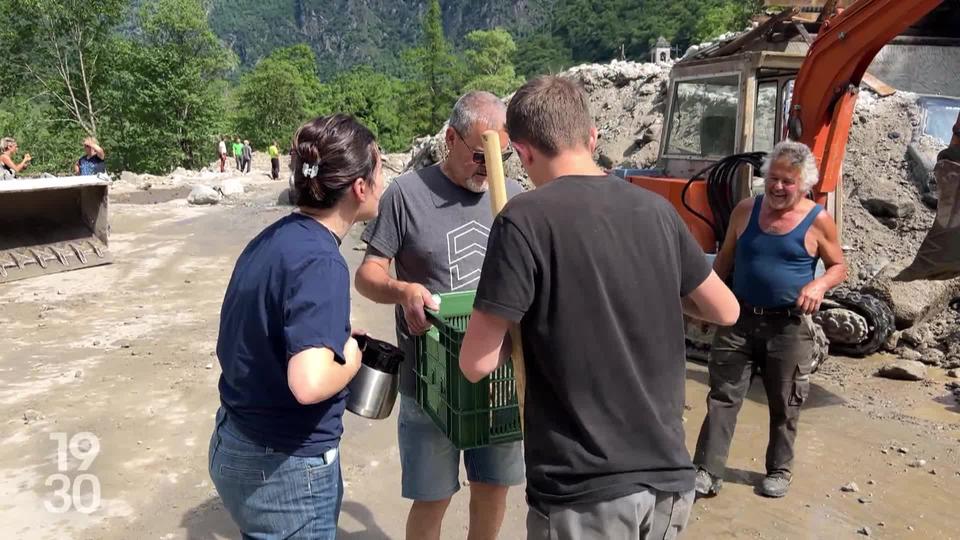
[[729, 99], [52, 225], [795, 76]]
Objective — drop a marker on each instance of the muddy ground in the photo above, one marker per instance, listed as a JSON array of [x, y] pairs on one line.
[[125, 352]]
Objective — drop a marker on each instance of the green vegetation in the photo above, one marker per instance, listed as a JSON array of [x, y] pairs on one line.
[[276, 96], [376, 100], [156, 83], [490, 62], [601, 30], [166, 91]]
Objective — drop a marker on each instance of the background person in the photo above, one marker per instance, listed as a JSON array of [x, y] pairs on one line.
[[92, 161], [274, 152], [222, 153], [246, 154], [8, 167], [237, 148]]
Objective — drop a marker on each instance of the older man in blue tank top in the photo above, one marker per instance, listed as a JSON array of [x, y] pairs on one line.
[[772, 248]]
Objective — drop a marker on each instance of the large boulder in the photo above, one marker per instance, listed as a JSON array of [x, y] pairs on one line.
[[204, 195], [912, 301], [904, 370], [889, 208], [231, 187]]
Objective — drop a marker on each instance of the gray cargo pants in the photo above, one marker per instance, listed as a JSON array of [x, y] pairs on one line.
[[783, 346], [647, 515]]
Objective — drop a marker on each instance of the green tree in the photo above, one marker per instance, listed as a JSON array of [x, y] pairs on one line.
[[729, 16], [436, 75], [542, 53], [372, 98], [166, 97], [490, 62], [301, 58], [598, 31], [33, 122], [57, 47], [278, 95]]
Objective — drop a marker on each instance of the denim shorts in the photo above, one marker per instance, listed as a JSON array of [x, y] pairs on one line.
[[430, 463], [271, 495]]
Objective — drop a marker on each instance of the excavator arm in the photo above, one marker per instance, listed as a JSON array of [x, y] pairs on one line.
[[825, 91], [821, 113]]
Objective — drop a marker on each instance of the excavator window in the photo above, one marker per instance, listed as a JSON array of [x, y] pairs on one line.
[[937, 117], [765, 116], [785, 100], [703, 118]]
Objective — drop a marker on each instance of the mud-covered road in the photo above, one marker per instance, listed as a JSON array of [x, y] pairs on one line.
[[119, 359]]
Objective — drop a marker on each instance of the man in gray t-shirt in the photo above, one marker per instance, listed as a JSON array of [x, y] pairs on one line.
[[433, 224]]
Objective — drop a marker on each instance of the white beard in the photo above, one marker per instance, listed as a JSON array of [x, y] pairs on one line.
[[476, 186]]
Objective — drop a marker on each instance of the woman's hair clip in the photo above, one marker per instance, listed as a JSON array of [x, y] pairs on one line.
[[311, 171]]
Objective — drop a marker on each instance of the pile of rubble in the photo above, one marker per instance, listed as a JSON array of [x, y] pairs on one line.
[[627, 100], [887, 212], [887, 209]]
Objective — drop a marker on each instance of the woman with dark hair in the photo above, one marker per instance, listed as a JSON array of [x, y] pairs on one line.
[[285, 344]]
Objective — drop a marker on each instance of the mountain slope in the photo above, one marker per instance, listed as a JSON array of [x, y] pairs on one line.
[[348, 32]]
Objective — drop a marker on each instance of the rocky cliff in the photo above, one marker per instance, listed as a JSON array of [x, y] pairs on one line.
[[348, 32]]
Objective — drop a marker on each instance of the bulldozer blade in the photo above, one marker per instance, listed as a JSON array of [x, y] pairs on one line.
[[939, 254], [50, 225]]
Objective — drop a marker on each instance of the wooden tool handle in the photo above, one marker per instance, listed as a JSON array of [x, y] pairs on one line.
[[498, 199]]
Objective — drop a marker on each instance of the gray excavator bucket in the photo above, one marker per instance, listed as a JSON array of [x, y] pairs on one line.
[[50, 225], [939, 255]]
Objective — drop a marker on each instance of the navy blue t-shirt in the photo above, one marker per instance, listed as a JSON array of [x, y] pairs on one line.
[[290, 291]]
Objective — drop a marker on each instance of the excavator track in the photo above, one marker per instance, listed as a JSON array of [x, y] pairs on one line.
[[698, 341], [843, 326], [878, 317]]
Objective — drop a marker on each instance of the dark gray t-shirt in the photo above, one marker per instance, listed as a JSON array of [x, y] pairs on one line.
[[436, 233], [594, 268]]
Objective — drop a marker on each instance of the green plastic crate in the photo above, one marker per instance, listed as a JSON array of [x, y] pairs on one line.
[[470, 415]]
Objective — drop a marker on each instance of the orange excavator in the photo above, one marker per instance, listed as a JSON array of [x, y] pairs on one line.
[[791, 77]]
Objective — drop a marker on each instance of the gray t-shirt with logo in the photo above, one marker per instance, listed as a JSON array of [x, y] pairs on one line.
[[436, 233]]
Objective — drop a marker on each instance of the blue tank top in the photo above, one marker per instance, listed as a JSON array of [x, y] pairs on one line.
[[770, 269]]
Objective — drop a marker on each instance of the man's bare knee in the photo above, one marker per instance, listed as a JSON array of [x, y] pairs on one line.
[[485, 492], [488, 504], [425, 519]]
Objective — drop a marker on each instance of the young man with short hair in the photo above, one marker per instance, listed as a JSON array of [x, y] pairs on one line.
[[598, 274]]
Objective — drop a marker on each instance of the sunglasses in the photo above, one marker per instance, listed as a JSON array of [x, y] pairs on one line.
[[479, 158]]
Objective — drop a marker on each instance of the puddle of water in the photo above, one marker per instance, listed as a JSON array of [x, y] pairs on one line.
[[943, 410]]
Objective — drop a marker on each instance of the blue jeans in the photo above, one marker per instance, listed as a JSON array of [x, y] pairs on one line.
[[271, 495], [430, 463]]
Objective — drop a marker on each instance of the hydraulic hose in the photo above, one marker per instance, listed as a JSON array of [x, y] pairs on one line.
[[720, 178]]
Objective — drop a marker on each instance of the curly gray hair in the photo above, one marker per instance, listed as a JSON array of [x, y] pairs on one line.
[[797, 155]]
